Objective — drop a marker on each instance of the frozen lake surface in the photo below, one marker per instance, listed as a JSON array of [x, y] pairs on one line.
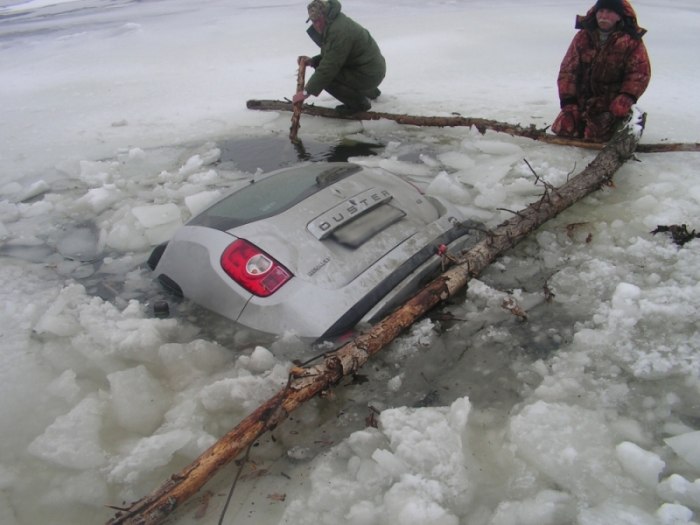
[[122, 119]]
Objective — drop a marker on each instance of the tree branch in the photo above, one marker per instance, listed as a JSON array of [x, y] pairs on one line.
[[482, 125]]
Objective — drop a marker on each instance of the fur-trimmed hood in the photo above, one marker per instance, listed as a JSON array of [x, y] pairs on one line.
[[628, 24]]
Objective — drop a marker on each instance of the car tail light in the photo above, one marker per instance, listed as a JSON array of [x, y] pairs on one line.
[[253, 269]]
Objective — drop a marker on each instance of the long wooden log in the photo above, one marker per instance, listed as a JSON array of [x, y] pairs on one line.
[[306, 383], [481, 124]]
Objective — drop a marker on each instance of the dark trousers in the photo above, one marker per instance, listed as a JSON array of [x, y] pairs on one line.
[[354, 89]]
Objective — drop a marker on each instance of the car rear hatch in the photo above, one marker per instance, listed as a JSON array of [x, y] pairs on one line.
[[338, 233]]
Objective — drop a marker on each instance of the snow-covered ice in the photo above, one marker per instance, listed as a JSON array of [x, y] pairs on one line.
[[115, 117]]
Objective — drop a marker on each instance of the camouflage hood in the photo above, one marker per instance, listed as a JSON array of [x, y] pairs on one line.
[[628, 24], [328, 8]]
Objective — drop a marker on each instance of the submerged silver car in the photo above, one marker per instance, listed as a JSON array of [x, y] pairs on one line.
[[314, 249]]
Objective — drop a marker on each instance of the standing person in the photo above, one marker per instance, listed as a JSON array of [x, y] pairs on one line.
[[350, 66], [605, 70]]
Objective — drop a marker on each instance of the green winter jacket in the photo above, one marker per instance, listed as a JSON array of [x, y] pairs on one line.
[[349, 54]]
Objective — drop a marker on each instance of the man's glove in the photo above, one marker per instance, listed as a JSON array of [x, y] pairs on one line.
[[567, 122], [621, 104]]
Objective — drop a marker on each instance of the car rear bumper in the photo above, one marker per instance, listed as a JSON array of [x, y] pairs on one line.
[[317, 313]]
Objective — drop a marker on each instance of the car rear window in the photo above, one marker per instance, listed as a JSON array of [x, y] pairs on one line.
[[271, 195]]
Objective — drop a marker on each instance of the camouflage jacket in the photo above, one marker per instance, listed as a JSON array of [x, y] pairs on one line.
[[594, 72]]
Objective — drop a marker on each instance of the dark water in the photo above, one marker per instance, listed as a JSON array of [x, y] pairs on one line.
[[270, 153]]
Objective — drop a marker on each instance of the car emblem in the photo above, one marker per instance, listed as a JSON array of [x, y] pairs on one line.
[[340, 215]]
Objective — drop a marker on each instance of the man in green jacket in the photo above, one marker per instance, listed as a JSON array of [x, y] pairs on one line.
[[350, 66]]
